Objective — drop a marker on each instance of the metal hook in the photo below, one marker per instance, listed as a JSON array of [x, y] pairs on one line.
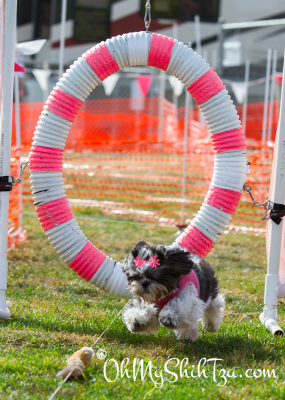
[[147, 15]]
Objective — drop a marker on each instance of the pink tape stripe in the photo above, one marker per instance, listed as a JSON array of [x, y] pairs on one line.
[[45, 167], [45, 160], [53, 218], [54, 213], [160, 51], [49, 158], [36, 166], [195, 241], [88, 261], [47, 150], [101, 61], [63, 104], [229, 140], [205, 87], [47, 207], [46, 225], [224, 199]]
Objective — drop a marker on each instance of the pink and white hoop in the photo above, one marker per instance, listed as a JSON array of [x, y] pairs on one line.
[[46, 154]]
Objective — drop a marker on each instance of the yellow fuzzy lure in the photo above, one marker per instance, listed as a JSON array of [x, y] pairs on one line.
[[77, 363]]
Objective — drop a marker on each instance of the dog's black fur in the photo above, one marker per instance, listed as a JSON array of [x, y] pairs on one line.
[[174, 263]]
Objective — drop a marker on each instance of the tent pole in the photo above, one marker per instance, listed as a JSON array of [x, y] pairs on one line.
[[269, 315], [6, 125]]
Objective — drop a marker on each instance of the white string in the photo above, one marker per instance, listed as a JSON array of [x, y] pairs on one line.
[[62, 383], [108, 326]]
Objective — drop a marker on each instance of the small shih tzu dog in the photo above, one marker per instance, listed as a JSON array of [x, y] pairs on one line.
[[172, 288]]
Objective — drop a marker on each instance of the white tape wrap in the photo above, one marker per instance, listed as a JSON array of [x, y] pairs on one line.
[[52, 130], [138, 43], [230, 170], [185, 64], [211, 221], [111, 278], [118, 47], [220, 113], [67, 239], [79, 80]]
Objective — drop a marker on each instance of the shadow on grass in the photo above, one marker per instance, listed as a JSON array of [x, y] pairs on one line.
[[231, 348]]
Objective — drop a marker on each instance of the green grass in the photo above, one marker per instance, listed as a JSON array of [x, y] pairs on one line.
[[54, 313]]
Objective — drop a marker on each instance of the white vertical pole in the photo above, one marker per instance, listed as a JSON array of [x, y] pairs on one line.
[[199, 51], [272, 91], [3, 268], [266, 95], [186, 123], [62, 37], [161, 105], [6, 121], [1, 47], [174, 97], [175, 30], [198, 34], [18, 144], [45, 92], [244, 107], [214, 59], [185, 148], [269, 315]]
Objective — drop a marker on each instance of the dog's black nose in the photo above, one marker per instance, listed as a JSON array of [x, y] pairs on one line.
[[145, 283]]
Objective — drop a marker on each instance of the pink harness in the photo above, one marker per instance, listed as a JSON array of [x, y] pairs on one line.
[[186, 280]]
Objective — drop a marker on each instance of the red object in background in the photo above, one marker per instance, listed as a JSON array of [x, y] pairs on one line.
[[144, 82], [18, 68], [279, 78]]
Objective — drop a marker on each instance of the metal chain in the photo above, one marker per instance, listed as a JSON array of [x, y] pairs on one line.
[[268, 205], [23, 166], [147, 16]]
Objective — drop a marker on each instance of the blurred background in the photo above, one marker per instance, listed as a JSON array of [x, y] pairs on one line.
[[91, 21], [126, 152]]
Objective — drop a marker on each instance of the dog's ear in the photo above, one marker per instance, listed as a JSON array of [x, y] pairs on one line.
[[184, 269], [135, 250], [181, 261], [124, 264]]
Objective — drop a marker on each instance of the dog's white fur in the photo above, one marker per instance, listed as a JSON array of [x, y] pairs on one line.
[[182, 314]]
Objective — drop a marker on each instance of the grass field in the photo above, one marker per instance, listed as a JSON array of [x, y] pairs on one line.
[[54, 313]]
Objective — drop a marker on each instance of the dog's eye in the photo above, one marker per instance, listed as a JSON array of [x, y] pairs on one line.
[[133, 278]]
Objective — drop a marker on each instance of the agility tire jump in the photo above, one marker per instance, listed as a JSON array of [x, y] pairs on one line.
[[60, 109]]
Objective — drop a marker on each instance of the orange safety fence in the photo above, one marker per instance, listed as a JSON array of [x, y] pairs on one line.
[[15, 228], [129, 163], [113, 125], [148, 187]]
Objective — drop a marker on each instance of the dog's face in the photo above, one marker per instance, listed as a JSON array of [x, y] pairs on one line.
[[153, 272]]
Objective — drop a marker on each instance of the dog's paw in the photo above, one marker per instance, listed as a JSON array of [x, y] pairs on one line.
[[134, 319], [133, 324], [189, 334], [141, 317], [169, 322], [136, 326]]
